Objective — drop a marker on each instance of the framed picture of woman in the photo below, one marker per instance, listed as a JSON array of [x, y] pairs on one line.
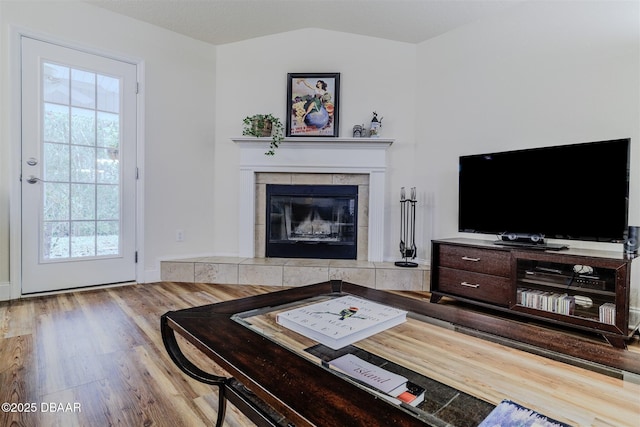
[[313, 104]]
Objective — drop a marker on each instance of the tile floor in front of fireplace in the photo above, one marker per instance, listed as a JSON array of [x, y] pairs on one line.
[[294, 272]]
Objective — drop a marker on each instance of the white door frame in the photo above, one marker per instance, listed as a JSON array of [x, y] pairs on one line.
[[15, 133]]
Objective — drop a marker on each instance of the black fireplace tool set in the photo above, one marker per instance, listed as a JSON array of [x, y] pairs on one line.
[[407, 228]]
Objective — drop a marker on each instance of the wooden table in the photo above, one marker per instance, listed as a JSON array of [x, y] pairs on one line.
[[281, 378]]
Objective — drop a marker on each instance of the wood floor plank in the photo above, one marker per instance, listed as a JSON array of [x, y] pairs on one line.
[[90, 345], [107, 323], [174, 392], [149, 324], [102, 349], [17, 377], [16, 318]]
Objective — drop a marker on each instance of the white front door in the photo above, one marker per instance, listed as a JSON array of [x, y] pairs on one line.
[[78, 168]]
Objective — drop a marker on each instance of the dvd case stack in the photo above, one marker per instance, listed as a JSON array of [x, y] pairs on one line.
[[547, 301], [608, 313]]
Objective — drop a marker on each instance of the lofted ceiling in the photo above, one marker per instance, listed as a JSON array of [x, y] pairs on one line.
[[227, 21]]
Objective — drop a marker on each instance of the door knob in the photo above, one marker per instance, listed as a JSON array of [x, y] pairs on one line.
[[32, 179]]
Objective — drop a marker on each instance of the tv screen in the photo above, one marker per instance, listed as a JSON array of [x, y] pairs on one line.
[[575, 192]]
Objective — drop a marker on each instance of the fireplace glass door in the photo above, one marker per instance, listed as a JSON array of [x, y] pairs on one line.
[[312, 221]]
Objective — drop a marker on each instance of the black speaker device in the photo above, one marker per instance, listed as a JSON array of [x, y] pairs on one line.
[[522, 238], [632, 242]]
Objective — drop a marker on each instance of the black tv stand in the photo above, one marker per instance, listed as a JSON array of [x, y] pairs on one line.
[[538, 246]]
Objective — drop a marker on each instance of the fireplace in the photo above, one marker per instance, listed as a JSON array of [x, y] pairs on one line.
[[311, 221], [331, 161]]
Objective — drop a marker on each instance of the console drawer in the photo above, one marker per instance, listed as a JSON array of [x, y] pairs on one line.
[[486, 261], [477, 286]]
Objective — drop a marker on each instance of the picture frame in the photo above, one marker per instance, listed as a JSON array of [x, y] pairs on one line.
[[313, 101]]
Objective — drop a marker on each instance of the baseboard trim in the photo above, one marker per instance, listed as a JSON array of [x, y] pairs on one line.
[[5, 291], [151, 276]]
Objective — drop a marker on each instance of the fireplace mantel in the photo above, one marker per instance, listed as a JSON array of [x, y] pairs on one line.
[[331, 152], [314, 155]]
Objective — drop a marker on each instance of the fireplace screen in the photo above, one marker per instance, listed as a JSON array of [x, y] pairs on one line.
[[312, 221]]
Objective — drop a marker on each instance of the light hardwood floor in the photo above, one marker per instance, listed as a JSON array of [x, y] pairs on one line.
[[101, 350]]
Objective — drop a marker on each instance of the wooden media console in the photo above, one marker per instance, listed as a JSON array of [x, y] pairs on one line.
[[584, 289]]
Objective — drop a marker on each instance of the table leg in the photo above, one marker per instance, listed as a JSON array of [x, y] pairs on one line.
[[172, 347]]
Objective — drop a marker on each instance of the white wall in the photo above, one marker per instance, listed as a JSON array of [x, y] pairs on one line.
[[542, 73], [375, 75], [177, 94]]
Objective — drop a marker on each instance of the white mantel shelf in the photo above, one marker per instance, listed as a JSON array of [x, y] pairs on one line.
[[314, 152], [314, 155], [315, 140]]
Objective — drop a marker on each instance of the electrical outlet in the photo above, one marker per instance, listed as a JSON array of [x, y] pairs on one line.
[[179, 235]]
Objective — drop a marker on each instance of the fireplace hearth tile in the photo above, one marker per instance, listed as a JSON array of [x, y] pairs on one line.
[[263, 274], [311, 178], [216, 272], [388, 277], [192, 259], [266, 261], [361, 276], [296, 275], [273, 178], [351, 179], [177, 271], [260, 240], [363, 205], [261, 205], [347, 263], [292, 272], [221, 260], [363, 243], [307, 262]]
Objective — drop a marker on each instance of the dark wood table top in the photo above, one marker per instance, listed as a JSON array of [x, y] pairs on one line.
[[307, 393], [304, 392]]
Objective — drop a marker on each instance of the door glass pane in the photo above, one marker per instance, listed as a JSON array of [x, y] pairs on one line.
[[83, 161], [108, 130], [56, 123], [84, 201], [83, 126], [108, 202], [56, 201], [56, 162], [108, 94], [55, 84], [83, 89], [55, 238], [108, 166], [81, 193], [108, 232], [83, 238]]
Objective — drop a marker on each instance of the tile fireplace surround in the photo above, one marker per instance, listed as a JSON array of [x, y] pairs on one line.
[[354, 161], [314, 160], [263, 179]]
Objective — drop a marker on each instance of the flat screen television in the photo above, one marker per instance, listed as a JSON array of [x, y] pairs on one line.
[[573, 192]]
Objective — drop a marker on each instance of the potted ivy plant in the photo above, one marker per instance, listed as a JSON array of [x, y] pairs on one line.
[[262, 125]]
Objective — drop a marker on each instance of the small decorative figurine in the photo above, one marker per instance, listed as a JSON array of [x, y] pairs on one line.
[[357, 131], [375, 125]]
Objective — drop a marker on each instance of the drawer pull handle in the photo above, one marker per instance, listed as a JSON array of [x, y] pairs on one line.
[[466, 258], [470, 285]]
